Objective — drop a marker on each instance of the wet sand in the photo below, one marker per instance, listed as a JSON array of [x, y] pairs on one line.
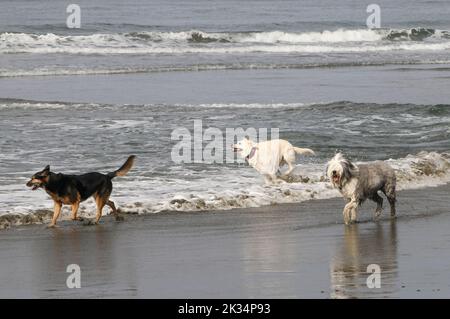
[[285, 251]]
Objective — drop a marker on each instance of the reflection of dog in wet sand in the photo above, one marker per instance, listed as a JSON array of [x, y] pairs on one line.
[[360, 182], [74, 189], [355, 251], [267, 157]]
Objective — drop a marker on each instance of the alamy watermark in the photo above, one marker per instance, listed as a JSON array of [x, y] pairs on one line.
[[213, 145], [374, 279], [74, 279], [73, 21], [374, 19]]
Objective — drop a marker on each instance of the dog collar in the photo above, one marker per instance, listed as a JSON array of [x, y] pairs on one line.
[[252, 153]]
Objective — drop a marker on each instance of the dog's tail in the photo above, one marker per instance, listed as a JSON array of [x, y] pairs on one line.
[[304, 151], [124, 169]]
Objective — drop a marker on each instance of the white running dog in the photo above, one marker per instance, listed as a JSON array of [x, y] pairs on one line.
[[267, 157], [360, 182]]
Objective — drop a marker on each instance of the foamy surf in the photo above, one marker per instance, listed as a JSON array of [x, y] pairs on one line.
[[240, 189], [196, 41]]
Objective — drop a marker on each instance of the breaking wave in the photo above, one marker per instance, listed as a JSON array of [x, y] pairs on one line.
[[13, 103], [194, 41]]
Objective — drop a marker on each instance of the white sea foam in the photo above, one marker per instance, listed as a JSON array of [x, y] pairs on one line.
[[43, 105], [60, 105], [185, 42], [234, 49], [313, 37]]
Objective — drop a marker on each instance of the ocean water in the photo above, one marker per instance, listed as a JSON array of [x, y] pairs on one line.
[[84, 99]]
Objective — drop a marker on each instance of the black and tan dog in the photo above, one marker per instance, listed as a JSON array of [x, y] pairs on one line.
[[74, 189]]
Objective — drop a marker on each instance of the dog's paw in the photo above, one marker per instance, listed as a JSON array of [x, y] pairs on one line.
[[49, 226], [119, 218], [90, 222], [285, 178], [346, 217], [377, 216], [78, 219]]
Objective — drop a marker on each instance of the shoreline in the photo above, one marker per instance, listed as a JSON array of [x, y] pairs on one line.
[[283, 251], [414, 172]]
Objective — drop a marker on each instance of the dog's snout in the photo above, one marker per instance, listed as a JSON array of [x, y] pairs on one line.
[[334, 173]]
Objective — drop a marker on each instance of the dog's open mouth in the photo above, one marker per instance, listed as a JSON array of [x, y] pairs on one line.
[[237, 149], [336, 179], [33, 186]]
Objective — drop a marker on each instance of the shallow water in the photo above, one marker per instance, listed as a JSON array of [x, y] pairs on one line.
[[86, 137], [137, 71]]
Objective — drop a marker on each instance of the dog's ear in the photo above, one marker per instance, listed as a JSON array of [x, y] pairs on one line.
[[46, 170]]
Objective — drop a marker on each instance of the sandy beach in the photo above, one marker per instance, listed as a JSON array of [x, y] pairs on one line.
[[177, 83], [283, 251]]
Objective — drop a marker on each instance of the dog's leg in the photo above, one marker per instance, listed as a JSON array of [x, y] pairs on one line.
[[112, 206], [56, 212], [100, 201], [346, 216], [391, 196], [350, 212], [379, 200], [271, 179], [289, 159], [267, 179], [355, 205], [347, 213], [75, 207], [276, 180], [114, 210], [290, 169], [354, 214]]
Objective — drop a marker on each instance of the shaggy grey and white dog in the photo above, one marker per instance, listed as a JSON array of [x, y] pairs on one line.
[[360, 182]]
